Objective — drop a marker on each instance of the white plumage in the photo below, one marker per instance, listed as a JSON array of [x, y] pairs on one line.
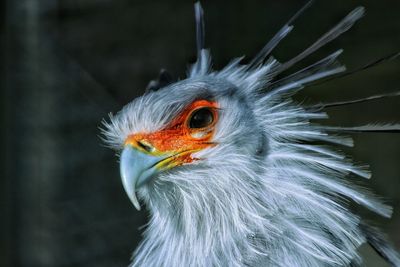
[[271, 191]]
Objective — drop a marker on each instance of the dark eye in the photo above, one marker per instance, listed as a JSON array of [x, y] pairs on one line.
[[201, 118]]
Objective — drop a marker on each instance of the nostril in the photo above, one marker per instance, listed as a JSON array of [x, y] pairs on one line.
[[147, 147]]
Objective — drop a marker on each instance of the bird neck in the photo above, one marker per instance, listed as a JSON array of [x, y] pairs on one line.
[[210, 226]]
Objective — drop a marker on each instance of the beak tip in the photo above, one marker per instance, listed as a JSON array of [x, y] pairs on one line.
[[135, 201]]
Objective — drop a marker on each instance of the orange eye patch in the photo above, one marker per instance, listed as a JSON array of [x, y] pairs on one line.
[[190, 131]]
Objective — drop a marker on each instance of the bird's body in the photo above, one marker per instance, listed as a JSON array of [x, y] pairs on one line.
[[235, 173]]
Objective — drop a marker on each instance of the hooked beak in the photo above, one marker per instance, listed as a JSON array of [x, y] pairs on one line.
[[137, 168], [146, 155]]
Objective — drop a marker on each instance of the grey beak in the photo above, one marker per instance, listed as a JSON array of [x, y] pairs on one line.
[[136, 169]]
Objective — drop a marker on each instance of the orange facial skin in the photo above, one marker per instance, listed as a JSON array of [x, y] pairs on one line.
[[177, 140]]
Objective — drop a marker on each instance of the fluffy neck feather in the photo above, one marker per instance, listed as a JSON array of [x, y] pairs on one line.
[[213, 223]]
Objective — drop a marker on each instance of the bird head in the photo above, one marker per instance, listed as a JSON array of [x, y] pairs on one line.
[[199, 137], [177, 136]]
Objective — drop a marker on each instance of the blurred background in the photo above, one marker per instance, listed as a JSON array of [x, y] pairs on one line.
[[67, 63]]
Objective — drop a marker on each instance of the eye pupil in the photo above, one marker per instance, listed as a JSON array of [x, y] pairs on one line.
[[201, 118]]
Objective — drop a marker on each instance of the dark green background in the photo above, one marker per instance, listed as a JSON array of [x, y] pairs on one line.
[[67, 63]]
